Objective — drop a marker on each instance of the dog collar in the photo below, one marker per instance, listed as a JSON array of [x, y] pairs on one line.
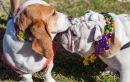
[[21, 34], [102, 44], [125, 46]]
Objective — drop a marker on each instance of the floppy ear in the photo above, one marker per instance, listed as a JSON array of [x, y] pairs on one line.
[[98, 34], [33, 26], [22, 22], [42, 42]]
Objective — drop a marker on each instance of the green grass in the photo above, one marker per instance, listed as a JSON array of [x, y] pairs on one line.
[[68, 67]]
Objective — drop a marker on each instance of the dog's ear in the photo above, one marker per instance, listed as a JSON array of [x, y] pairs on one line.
[[23, 21], [98, 34], [42, 42], [36, 29]]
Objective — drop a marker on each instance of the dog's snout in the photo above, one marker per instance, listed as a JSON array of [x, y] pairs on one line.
[[65, 31], [70, 18]]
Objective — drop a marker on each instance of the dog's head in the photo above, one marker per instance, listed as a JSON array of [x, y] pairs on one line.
[[84, 31], [80, 36], [78, 39], [41, 23]]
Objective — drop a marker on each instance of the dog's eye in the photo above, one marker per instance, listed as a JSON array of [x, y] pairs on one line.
[[53, 13], [73, 33]]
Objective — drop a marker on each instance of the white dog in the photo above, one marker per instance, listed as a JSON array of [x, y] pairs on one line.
[[27, 42], [86, 34]]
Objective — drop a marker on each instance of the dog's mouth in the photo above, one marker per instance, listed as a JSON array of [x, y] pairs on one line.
[[72, 46], [67, 42], [66, 38]]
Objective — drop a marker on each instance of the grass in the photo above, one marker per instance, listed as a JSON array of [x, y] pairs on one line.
[[68, 67]]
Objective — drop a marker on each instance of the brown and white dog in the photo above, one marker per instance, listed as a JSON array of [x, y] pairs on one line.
[[27, 43], [85, 30]]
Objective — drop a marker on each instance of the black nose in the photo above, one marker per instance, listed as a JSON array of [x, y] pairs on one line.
[[70, 18]]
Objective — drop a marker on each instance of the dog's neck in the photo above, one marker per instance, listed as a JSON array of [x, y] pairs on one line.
[[103, 24]]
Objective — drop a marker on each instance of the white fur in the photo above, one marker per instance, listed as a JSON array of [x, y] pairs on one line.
[[21, 56], [121, 60], [97, 35], [62, 21], [29, 2]]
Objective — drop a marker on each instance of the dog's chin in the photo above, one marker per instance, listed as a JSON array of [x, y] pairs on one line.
[[68, 49], [85, 54]]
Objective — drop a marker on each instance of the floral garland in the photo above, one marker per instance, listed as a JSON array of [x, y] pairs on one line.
[[102, 44]]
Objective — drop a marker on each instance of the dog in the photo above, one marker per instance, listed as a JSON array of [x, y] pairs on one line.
[[87, 31], [27, 42]]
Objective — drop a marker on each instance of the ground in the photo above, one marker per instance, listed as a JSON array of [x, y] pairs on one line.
[[68, 67]]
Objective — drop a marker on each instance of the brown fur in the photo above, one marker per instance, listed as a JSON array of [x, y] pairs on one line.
[[34, 23], [115, 46]]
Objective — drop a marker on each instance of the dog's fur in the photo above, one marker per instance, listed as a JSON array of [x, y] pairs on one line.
[[85, 30], [40, 22]]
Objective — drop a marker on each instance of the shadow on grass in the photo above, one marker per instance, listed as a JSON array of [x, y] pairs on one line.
[[2, 21], [69, 64]]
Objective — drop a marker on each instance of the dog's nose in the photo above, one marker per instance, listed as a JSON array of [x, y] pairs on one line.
[[70, 18]]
